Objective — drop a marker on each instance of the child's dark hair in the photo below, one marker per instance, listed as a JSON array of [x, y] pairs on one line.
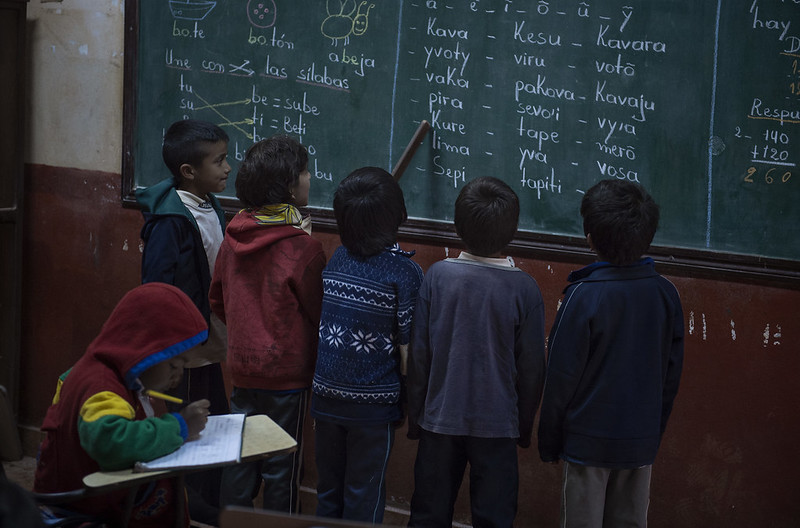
[[369, 208], [271, 168], [486, 217], [621, 218], [185, 142]]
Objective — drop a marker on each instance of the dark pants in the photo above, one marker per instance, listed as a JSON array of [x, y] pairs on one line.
[[203, 488], [439, 470], [281, 474], [351, 470]]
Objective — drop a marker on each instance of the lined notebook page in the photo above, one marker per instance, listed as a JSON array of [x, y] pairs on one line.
[[219, 442]]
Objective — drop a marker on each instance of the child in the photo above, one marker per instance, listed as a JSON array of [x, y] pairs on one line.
[[184, 225], [615, 356], [267, 288], [476, 366], [370, 288], [100, 418]]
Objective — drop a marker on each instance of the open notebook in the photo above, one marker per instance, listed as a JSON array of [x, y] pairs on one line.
[[220, 442]]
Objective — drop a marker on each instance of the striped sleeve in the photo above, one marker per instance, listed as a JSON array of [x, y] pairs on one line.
[[115, 440]]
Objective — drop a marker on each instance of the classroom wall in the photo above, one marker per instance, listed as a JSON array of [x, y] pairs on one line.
[[728, 456]]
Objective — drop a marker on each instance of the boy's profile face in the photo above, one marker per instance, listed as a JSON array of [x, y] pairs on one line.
[[165, 375], [300, 191], [211, 176]]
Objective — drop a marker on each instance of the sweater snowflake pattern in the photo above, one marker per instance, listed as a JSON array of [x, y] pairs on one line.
[[367, 309]]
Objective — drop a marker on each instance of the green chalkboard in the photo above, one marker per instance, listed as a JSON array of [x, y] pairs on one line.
[[697, 100]]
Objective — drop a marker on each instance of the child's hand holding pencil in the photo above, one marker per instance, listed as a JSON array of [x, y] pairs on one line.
[[195, 414]]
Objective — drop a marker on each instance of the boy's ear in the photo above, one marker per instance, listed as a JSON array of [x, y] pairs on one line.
[[589, 241], [187, 171]]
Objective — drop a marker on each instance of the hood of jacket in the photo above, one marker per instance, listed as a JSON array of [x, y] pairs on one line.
[[246, 234], [152, 323]]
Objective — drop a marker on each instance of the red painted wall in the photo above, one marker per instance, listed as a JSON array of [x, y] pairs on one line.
[[728, 458]]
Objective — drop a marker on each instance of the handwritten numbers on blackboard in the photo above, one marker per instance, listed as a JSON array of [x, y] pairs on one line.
[[770, 176]]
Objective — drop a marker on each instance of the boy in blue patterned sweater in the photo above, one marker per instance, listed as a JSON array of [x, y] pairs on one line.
[[369, 293]]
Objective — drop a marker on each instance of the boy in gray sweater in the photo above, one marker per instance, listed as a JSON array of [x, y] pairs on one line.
[[476, 366]]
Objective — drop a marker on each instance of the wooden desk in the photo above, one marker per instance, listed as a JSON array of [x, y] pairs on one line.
[[261, 438]]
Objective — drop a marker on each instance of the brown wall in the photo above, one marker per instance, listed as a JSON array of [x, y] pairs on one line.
[[728, 458]]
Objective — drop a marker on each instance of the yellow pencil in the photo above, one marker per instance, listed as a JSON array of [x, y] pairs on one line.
[[162, 396]]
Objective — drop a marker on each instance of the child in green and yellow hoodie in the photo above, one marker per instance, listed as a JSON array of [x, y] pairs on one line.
[[101, 419]]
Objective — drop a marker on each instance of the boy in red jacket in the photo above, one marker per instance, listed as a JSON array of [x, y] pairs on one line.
[[267, 288]]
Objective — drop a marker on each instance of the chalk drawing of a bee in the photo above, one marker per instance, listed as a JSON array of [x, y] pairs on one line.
[[361, 21], [341, 22]]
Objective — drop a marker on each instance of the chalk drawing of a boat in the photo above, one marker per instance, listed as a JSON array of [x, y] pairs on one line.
[[190, 10]]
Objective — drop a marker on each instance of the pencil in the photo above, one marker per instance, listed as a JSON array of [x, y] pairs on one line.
[[162, 396]]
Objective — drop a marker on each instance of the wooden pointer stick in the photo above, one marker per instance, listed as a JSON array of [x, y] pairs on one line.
[[408, 153]]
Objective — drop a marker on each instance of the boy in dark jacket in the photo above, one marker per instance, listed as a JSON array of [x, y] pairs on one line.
[[183, 230], [615, 357]]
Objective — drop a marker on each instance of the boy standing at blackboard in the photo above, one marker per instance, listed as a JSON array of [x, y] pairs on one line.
[[267, 287], [476, 366], [183, 230], [370, 289], [615, 356]]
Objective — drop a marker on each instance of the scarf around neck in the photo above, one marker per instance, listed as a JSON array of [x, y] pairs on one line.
[[282, 214]]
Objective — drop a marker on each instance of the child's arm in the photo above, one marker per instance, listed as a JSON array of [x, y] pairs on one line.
[[529, 353], [309, 288], [115, 440], [407, 292], [674, 365], [568, 349], [161, 252], [216, 299], [419, 364]]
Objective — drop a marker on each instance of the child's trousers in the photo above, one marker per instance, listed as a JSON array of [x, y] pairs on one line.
[[351, 470], [281, 474], [439, 470], [595, 497]]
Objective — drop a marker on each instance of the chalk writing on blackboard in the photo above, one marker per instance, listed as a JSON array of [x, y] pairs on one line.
[[698, 101]]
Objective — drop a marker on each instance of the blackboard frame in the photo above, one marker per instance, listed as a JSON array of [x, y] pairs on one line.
[[672, 261]]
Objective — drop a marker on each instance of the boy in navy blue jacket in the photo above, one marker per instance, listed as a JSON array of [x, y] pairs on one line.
[[183, 230], [615, 357]]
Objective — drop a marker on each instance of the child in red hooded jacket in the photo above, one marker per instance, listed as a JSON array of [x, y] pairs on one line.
[[101, 419], [267, 288]]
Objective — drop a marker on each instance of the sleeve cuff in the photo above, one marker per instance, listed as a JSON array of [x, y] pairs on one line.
[[182, 424]]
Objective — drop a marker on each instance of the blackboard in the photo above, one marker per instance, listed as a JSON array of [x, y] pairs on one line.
[[697, 100]]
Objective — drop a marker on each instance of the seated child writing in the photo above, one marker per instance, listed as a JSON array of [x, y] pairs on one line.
[[101, 419]]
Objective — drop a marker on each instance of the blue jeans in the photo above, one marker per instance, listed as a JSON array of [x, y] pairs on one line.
[[351, 470], [281, 474]]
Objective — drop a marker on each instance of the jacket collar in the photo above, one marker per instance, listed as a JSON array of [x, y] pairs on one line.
[[607, 271]]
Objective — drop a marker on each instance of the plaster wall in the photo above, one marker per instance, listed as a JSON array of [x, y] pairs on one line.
[[75, 78]]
